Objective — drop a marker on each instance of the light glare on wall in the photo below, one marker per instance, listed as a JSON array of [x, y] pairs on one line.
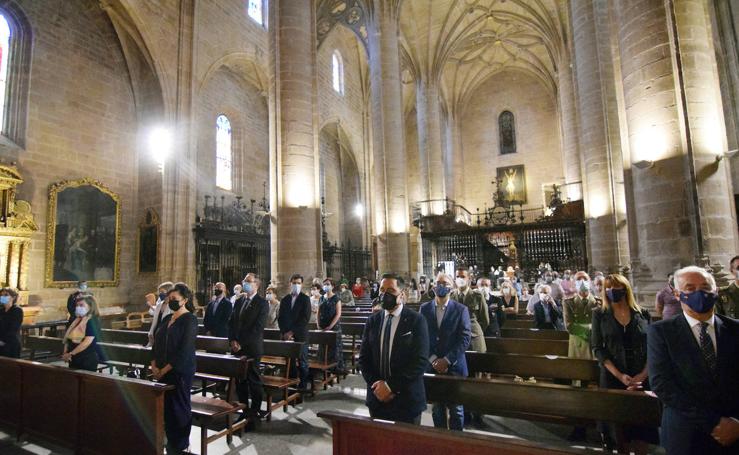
[[650, 145], [597, 206], [160, 144], [398, 224], [299, 191], [359, 210]]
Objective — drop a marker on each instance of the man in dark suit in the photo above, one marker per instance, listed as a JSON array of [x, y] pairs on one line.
[[246, 335], [449, 333], [217, 313], [293, 318], [547, 314], [693, 369], [394, 356]]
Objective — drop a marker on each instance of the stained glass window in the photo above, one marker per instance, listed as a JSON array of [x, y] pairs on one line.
[[256, 11], [337, 70], [507, 132], [224, 157], [4, 59]]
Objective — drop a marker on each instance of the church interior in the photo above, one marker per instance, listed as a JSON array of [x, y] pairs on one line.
[[541, 173]]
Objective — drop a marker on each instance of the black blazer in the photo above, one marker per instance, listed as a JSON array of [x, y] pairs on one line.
[[540, 317], [217, 323], [679, 376], [408, 362], [10, 331], [295, 319], [247, 327]]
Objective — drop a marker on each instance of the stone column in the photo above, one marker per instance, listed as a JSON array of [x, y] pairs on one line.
[[682, 192], [391, 205], [568, 130], [433, 169], [594, 146], [296, 234]]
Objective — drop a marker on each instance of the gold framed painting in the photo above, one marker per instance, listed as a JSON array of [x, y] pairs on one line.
[[82, 234], [512, 185]]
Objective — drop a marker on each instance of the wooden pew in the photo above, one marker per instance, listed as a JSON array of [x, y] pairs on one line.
[[48, 328], [359, 435], [49, 347], [354, 332], [518, 324], [545, 401], [80, 401], [530, 347], [205, 410], [538, 366], [534, 334], [280, 353], [321, 362]]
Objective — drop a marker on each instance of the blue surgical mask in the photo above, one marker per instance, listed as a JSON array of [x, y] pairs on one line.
[[699, 301], [442, 291], [83, 287], [80, 311], [326, 288], [615, 295], [246, 287], [4, 299]]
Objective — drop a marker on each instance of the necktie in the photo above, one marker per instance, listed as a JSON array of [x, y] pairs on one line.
[[385, 361], [709, 353]]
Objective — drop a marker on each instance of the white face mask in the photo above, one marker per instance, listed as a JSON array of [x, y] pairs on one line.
[[507, 291], [295, 289], [269, 296], [582, 285], [461, 282], [542, 296], [80, 311]]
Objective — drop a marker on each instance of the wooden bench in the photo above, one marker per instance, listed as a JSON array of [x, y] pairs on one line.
[[537, 366], [115, 407], [359, 435], [205, 410], [354, 332], [530, 347], [517, 324], [280, 353], [47, 328], [549, 402], [534, 334]]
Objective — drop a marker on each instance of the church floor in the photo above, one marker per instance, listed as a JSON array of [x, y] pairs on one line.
[[301, 432]]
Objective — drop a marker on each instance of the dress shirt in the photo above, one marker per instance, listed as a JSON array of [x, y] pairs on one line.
[[695, 326], [547, 312], [440, 310], [393, 328], [294, 298]]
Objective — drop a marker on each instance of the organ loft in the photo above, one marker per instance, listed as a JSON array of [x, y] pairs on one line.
[[369, 226]]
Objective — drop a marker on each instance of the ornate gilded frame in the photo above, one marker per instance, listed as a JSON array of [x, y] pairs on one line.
[[51, 219]]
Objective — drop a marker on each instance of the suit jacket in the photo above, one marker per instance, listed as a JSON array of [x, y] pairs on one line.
[[408, 362], [247, 326], [295, 318], [450, 340], [540, 317], [679, 376], [217, 323]]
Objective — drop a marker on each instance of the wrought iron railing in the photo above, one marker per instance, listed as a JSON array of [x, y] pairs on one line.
[[346, 262]]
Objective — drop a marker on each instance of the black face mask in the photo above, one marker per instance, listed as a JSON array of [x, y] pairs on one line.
[[389, 301], [162, 296], [218, 291], [174, 305]]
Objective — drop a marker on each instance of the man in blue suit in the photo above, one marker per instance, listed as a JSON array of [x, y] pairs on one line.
[[393, 357], [449, 337], [693, 369], [218, 313]]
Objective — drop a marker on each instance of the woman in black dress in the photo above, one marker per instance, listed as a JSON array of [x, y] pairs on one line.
[[80, 341], [619, 342], [173, 363], [329, 314], [11, 318]]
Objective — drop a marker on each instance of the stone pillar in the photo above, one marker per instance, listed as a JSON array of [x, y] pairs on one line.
[[568, 130], [682, 193], [594, 146], [433, 170], [296, 233], [389, 160]]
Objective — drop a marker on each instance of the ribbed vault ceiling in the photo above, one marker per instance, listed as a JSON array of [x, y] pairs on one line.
[[461, 43]]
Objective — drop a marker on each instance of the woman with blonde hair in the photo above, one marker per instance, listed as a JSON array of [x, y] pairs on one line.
[[80, 341], [619, 342]]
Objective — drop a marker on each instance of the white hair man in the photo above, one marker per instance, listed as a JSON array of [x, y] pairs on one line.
[[693, 370]]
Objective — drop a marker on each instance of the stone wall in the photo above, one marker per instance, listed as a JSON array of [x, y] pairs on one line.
[[537, 138]]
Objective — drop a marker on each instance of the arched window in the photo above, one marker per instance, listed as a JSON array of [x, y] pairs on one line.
[[255, 9], [4, 60], [507, 132], [224, 156], [337, 70]]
